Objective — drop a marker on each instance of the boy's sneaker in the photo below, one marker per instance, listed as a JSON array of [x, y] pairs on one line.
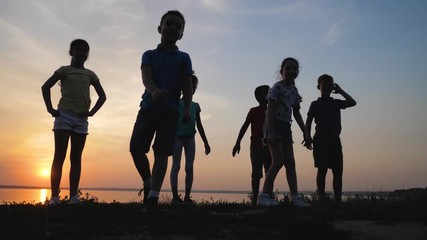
[[54, 201], [75, 200], [264, 199], [297, 201], [188, 200], [151, 204], [176, 200]]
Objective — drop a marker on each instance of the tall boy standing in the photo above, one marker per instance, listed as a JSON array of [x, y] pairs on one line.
[[166, 72], [327, 149]]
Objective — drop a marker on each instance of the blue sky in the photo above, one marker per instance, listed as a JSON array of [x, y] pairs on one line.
[[374, 49]]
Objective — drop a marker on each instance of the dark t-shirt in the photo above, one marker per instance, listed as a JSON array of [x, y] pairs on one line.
[[168, 70], [327, 116], [256, 117]]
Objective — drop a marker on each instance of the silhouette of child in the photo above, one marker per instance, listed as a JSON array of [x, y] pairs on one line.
[[71, 116], [166, 72], [259, 152], [185, 140], [327, 149], [283, 100]]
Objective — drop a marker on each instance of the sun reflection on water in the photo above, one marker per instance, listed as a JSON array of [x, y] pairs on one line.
[[43, 195]]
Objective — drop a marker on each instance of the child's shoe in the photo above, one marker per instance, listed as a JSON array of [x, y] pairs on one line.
[[75, 200], [297, 201], [176, 200], [151, 204], [264, 199], [188, 200], [54, 201]]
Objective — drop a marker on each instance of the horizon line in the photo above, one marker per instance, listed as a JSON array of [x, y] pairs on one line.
[[195, 190]]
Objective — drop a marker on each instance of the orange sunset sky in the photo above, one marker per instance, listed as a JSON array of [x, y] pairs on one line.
[[375, 50]]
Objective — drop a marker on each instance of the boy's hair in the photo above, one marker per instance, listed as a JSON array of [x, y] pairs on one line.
[[325, 78], [78, 42], [259, 90], [173, 12]]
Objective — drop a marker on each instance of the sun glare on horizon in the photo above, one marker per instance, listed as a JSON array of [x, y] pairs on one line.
[[44, 173]]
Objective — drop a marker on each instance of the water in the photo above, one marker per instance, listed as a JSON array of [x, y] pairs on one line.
[[12, 194], [37, 195]]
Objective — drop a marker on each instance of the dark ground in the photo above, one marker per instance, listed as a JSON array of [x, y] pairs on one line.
[[217, 220]]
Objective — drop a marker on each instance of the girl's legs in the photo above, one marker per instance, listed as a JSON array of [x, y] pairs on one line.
[[190, 152], [61, 144], [291, 174], [277, 161], [176, 165], [320, 181], [77, 144]]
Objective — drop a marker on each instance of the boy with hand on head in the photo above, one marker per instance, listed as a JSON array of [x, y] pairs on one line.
[[166, 73], [326, 145], [259, 152]]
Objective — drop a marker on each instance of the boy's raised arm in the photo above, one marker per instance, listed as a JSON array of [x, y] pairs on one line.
[[349, 101]]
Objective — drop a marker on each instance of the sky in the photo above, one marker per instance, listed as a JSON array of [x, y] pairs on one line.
[[374, 49]]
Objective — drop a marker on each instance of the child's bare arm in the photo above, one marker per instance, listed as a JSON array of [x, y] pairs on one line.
[[157, 94], [300, 121], [349, 101], [202, 134], [236, 148], [101, 98], [46, 93], [308, 122]]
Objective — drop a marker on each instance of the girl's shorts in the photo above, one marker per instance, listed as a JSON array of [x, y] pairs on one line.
[[71, 121], [282, 131]]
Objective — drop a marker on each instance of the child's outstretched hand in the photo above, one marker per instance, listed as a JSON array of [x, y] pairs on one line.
[[236, 149], [207, 148], [307, 142]]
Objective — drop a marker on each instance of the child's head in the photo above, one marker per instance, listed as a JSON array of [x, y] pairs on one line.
[[172, 25], [289, 69], [261, 94], [194, 82], [325, 84], [79, 50]]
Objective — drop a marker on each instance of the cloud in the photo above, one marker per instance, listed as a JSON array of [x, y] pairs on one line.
[[216, 5], [334, 33]]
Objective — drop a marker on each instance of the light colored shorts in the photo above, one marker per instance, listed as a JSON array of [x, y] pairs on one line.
[[71, 121]]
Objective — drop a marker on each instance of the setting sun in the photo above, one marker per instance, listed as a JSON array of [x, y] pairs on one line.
[[45, 173]]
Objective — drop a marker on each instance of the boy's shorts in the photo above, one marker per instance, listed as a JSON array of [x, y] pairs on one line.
[[71, 121], [260, 157], [162, 123], [327, 153]]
